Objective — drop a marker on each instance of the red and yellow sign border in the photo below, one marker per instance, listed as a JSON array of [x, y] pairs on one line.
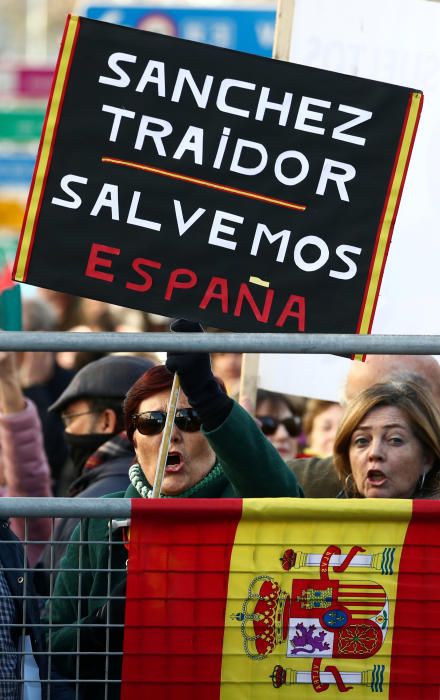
[[389, 213], [45, 150]]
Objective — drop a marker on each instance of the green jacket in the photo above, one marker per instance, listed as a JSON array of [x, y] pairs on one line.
[[252, 469]]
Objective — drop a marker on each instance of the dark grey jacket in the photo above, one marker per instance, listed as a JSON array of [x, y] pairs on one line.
[[109, 477], [20, 584]]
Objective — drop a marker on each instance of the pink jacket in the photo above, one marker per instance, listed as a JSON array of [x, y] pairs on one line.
[[26, 472]]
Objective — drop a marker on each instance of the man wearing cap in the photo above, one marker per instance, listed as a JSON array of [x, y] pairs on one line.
[[91, 410]]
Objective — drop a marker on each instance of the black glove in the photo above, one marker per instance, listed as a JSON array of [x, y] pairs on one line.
[[197, 380]]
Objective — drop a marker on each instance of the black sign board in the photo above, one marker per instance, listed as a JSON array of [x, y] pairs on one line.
[[188, 180]]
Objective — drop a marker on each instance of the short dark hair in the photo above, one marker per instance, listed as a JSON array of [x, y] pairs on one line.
[[152, 382], [276, 400]]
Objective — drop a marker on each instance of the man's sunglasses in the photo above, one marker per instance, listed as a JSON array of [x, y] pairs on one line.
[[269, 425], [153, 422]]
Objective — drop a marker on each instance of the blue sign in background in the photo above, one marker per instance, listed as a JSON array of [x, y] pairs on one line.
[[247, 30], [16, 169]]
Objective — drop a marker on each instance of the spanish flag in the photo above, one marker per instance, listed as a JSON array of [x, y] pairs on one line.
[[283, 598]]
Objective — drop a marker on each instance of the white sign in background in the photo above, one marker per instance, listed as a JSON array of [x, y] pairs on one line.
[[396, 41]]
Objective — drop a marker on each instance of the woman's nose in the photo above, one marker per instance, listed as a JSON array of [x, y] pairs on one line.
[[176, 434], [375, 450]]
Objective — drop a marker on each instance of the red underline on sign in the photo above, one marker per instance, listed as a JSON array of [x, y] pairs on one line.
[[205, 183]]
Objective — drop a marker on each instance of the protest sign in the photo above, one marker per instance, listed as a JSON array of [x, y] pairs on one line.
[[188, 180]]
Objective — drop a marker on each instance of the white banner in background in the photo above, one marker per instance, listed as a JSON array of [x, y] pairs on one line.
[[396, 41]]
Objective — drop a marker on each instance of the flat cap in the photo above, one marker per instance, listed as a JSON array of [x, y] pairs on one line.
[[109, 377]]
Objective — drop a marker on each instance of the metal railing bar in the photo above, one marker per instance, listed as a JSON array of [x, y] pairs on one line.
[[309, 343], [104, 508]]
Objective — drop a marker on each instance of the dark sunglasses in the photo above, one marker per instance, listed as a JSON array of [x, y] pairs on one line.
[[269, 425], [153, 422]]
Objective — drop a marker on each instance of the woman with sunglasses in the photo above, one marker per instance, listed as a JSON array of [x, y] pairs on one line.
[[277, 419], [216, 451], [228, 458]]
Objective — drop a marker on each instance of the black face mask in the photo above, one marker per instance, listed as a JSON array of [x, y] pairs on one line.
[[81, 447]]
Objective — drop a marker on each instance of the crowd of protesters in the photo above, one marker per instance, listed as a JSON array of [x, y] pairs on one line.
[[90, 425]]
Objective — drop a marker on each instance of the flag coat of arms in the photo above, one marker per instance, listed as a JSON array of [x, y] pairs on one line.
[[260, 599]]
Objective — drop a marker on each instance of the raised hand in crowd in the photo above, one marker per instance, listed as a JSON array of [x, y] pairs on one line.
[[24, 466], [35, 368]]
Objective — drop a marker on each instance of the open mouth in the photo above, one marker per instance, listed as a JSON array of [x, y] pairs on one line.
[[376, 477], [174, 462]]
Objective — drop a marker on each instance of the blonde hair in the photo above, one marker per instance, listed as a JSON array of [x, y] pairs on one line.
[[416, 403]]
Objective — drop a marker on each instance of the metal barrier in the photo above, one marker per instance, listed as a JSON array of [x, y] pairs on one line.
[[93, 664], [309, 343]]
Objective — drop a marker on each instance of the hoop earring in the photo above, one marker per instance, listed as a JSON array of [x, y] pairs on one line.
[[349, 485], [422, 480]]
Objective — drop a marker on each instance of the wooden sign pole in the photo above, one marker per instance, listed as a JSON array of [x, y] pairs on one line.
[[249, 381], [166, 437], [283, 29]]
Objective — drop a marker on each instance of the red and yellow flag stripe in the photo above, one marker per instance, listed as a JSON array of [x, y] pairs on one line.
[[235, 599]]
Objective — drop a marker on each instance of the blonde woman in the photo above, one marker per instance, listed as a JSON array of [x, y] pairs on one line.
[[388, 443]]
